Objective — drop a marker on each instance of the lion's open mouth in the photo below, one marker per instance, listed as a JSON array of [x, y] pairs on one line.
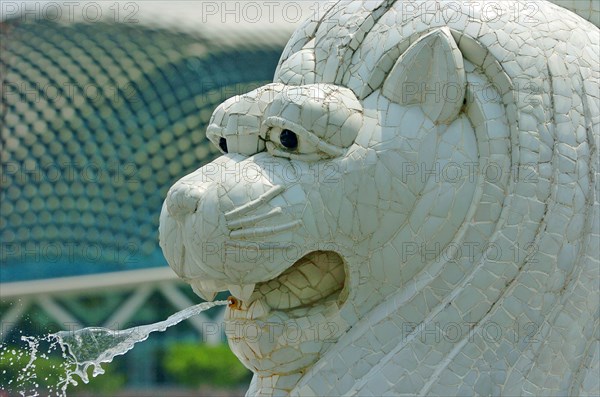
[[315, 280]]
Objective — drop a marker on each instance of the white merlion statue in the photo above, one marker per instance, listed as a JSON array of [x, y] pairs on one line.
[[411, 207]]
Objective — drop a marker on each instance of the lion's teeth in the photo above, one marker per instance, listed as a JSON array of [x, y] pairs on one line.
[[206, 295], [258, 309], [206, 289], [242, 292]]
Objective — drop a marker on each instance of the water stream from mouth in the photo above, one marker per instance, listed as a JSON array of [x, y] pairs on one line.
[[88, 347]]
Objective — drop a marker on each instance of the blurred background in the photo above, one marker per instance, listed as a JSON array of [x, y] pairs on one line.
[[104, 107]]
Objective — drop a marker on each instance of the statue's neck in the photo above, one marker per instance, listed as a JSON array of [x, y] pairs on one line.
[[275, 385]]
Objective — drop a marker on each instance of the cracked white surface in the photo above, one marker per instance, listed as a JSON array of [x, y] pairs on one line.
[[410, 208]]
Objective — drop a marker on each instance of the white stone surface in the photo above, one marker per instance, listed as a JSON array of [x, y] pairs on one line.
[[411, 208]]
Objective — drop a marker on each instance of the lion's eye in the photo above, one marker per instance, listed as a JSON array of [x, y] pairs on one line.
[[223, 144], [288, 139], [311, 122]]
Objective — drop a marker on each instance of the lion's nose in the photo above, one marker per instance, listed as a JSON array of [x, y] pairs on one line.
[[183, 200]]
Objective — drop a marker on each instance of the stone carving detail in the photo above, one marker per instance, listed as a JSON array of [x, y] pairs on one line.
[[410, 208]]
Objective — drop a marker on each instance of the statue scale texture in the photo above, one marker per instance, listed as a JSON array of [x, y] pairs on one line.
[[410, 208]]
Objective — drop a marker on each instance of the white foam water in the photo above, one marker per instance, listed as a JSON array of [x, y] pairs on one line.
[[90, 347]]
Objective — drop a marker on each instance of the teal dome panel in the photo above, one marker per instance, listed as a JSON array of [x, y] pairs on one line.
[[98, 121]]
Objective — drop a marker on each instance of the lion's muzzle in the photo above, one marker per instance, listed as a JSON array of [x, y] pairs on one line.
[[233, 221]]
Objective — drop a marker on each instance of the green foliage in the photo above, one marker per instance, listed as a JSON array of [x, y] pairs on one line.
[[46, 373], [197, 364], [102, 385]]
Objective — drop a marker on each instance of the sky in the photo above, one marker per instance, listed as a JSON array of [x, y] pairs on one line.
[[229, 15]]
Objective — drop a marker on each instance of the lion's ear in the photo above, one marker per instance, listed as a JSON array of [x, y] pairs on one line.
[[430, 73]]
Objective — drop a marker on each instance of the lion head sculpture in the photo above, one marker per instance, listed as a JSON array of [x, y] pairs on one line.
[[410, 208]]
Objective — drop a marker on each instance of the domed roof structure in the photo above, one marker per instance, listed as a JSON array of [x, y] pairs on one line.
[[98, 121]]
